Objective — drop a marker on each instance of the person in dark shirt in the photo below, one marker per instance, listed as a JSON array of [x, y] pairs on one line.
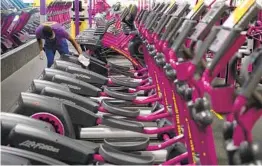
[[56, 37]]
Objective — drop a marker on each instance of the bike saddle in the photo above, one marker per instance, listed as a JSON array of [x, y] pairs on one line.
[[116, 110], [120, 95], [122, 124], [122, 158], [128, 144]]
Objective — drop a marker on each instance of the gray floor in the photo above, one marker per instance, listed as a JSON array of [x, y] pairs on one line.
[[21, 80]]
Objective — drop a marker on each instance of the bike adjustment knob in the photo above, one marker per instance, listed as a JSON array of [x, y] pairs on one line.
[[228, 129], [250, 153], [200, 114], [188, 94], [160, 59], [180, 88], [153, 53], [170, 72], [150, 47], [204, 118]]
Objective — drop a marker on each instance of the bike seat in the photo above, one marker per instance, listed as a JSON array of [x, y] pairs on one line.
[[122, 124], [128, 144], [125, 82], [116, 110], [119, 95], [122, 158]]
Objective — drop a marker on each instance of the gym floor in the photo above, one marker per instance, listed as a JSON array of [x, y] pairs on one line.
[[21, 80]]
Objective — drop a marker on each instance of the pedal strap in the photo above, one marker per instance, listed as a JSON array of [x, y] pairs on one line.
[[119, 95], [122, 124], [128, 144], [122, 158], [116, 110]]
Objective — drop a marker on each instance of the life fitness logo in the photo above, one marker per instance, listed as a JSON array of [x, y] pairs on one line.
[[41, 146]]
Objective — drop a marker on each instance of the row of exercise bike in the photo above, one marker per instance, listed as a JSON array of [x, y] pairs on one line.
[[69, 103], [59, 11], [18, 22], [17, 26]]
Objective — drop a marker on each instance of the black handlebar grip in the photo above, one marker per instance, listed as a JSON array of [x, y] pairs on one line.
[[186, 29], [156, 6], [149, 18], [139, 15], [154, 20], [227, 42], [172, 9], [174, 31], [165, 8], [162, 23], [204, 46], [161, 6], [254, 79], [171, 28], [146, 13]]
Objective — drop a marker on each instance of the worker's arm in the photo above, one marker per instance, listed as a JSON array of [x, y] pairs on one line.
[[77, 47], [82, 59], [40, 44]]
